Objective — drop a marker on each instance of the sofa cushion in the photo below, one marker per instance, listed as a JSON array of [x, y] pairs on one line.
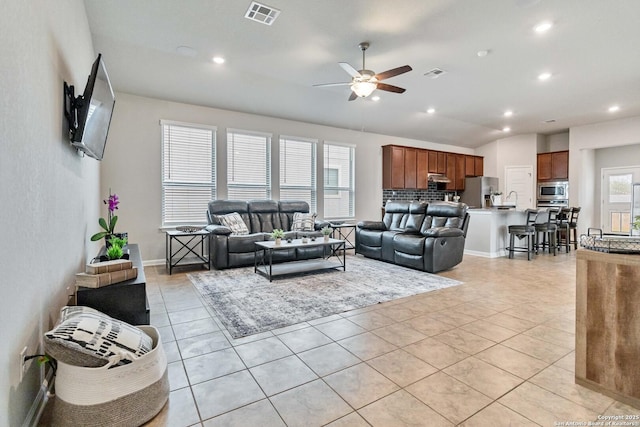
[[234, 222], [303, 221], [409, 243], [264, 216], [245, 242], [89, 338]]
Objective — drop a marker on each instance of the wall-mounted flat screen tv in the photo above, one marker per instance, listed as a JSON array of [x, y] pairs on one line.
[[89, 115]]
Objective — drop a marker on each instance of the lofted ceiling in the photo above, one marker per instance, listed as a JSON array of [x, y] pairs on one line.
[[270, 70]]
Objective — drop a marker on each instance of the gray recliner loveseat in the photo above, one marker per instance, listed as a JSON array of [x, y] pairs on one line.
[[421, 235], [261, 217]]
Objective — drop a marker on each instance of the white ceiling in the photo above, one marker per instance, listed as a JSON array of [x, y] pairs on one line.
[[269, 70]]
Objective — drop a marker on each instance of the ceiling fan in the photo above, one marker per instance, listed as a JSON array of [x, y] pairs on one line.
[[364, 81]]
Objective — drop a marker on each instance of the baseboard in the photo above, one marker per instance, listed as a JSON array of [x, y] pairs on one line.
[[40, 402], [153, 262], [499, 254]]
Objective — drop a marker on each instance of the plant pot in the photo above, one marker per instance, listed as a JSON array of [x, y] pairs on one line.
[[326, 238], [278, 241]]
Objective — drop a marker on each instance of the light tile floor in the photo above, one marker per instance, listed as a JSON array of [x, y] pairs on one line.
[[495, 351]]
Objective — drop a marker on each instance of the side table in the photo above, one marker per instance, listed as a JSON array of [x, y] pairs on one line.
[[344, 232], [126, 301], [191, 248]]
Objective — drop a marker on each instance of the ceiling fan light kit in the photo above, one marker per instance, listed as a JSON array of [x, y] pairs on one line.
[[364, 82]]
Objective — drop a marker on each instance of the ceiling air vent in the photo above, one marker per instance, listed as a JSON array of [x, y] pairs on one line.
[[261, 13], [435, 73]]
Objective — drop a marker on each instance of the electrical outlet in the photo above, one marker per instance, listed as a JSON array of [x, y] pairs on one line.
[[23, 362]]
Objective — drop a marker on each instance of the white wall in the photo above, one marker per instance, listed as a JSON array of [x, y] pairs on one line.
[[517, 150], [583, 143], [557, 141], [131, 165], [48, 193]]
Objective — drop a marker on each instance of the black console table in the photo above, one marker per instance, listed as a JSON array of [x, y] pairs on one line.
[[126, 301]]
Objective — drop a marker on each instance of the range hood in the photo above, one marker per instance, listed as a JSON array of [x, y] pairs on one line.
[[437, 177]]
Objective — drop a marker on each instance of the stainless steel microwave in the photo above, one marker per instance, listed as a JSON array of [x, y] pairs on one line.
[[553, 190]]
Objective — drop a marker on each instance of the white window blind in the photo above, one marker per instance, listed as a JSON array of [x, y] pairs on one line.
[[298, 170], [248, 165], [188, 173], [339, 181]]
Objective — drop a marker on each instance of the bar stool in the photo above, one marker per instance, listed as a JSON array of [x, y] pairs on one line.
[[549, 230], [573, 225], [562, 236], [521, 231]]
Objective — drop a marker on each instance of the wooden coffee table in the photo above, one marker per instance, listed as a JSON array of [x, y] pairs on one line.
[[331, 258]]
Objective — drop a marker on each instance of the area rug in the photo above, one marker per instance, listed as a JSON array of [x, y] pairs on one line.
[[247, 303]]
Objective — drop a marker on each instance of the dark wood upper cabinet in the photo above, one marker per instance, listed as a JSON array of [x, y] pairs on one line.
[[451, 171], [460, 171], [553, 166], [422, 169], [392, 167], [410, 167], [469, 166], [433, 162], [442, 162], [479, 165]]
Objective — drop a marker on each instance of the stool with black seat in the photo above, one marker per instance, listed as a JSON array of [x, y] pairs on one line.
[[573, 226], [521, 231], [562, 235], [548, 229]]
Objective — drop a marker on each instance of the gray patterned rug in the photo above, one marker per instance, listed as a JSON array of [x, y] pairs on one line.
[[247, 303]]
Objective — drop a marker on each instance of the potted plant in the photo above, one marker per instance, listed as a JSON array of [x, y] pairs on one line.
[[277, 234], [109, 224], [116, 249], [326, 232]]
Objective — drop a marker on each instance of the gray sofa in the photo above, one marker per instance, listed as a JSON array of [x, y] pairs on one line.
[[261, 217], [420, 235]]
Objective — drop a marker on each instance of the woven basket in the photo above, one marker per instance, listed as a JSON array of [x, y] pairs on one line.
[[126, 395]]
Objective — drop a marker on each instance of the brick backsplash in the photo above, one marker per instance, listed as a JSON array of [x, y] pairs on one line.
[[431, 194]]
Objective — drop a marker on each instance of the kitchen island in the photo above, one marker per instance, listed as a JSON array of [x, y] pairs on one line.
[[488, 234]]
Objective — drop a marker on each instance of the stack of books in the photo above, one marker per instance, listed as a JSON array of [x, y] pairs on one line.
[[106, 273]]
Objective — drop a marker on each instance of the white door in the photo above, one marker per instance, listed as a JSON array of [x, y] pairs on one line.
[[615, 216], [519, 179]]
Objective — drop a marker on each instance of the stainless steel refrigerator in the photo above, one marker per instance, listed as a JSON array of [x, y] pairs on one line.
[[477, 190]]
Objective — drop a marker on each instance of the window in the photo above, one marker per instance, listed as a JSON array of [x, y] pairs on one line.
[[188, 172], [339, 182], [248, 165], [298, 170]]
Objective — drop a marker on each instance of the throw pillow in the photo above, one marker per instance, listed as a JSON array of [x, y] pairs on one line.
[[303, 221], [89, 338], [234, 222]]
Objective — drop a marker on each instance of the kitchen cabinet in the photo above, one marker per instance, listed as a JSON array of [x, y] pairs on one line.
[[455, 171], [553, 166], [400, 167], [392, 167], [410, 167], [422, 169], [474, 165], [437, 162]]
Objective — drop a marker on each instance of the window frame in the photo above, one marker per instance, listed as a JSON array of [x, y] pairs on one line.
[[212, 185], [313, 188], [268, 141], [350, 185]]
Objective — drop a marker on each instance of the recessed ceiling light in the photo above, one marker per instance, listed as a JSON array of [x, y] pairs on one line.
[[614, 108], [508, 113], [506, 129], [375, 98], [483, 53], [218, 59], [431, 110], [544, 76], [543, 27]]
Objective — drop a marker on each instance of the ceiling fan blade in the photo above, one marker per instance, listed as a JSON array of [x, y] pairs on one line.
[[353, 96], [349, 69], [393, 72], [390, 88], [332, 84]]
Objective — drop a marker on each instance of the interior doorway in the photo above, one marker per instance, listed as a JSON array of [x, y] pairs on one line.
[[615, 214], [519, 179]]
